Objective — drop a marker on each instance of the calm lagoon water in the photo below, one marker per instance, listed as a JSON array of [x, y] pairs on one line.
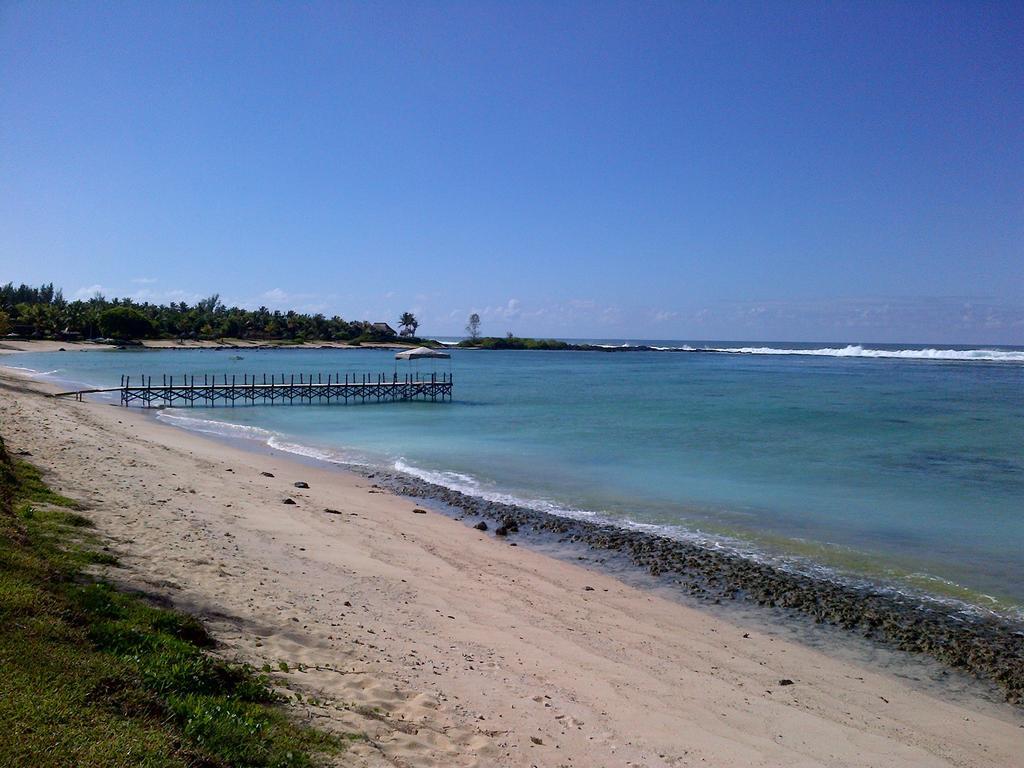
[[901, 464]]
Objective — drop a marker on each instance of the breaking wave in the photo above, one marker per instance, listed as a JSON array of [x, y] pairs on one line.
[[213, 427], [470, 486], [856, 350], [32, 372], [271, 439]]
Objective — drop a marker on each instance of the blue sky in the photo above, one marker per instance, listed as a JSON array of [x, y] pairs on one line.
[[846, 172]]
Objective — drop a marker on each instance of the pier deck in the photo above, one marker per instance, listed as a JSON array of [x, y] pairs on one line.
[[300, 389]]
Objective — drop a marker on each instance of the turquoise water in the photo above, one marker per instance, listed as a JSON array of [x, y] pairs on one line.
[[907, 467]]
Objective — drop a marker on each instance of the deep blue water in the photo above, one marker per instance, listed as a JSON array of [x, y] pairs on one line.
[[908, 467]]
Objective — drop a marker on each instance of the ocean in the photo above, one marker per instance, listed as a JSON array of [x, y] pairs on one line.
[[897, 464]]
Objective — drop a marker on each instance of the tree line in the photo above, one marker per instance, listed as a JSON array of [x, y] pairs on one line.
[[43, 313]]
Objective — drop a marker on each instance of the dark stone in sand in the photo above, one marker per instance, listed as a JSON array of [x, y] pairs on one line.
[[288, 501], [481, 526], [419, 511], [785, 681], [330, 511], [267, 474], [588, 588], [508, 525], [301, 484]]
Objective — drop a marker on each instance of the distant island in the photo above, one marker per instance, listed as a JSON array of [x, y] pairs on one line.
[[515, 342]]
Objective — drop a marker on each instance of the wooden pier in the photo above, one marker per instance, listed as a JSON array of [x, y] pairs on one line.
[[278, 389]]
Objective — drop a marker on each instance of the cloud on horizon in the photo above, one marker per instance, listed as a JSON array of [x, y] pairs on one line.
[[87, 292]]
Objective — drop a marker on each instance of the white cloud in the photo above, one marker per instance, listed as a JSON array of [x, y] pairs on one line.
[[509, 310], [144, 280], [180, 295], [275, 296], [88, 291]]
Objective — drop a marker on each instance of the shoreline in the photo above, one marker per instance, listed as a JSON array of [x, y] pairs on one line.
[[459, 503], [988, 646], [467, 648], [985, 646], [595, 529]]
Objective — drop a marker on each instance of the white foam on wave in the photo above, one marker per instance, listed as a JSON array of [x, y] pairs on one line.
[[214, 427], [271, 439], [470, 486], [320, 454], [857, 350], [32, 372]]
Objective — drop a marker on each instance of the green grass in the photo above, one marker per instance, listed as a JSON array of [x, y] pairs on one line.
[[90, 676], [25, 484]]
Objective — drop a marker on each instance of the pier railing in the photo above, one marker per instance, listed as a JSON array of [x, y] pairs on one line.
[[276, 389]]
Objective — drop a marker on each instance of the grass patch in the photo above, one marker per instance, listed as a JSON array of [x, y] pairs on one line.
[[27, 484], [90, 676]]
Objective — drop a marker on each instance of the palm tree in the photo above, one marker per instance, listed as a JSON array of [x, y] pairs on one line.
[[408, 323]]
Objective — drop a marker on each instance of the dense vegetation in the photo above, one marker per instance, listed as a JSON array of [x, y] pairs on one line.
[[44, 313], [96, 677], [515, 342]]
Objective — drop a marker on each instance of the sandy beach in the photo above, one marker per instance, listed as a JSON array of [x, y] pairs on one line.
[[450, 647]]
